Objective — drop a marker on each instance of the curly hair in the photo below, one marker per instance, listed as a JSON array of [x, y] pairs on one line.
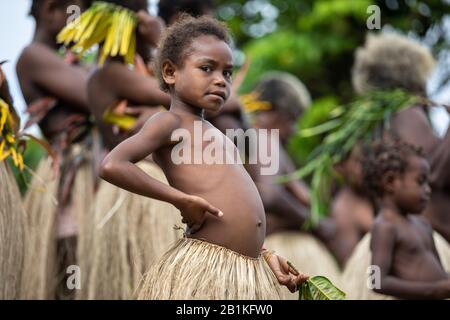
[[390, 61], [381, 158], [178, 37], [167, 9], [285, 92]]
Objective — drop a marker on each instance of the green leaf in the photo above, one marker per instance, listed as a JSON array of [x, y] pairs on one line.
[[320, 288]]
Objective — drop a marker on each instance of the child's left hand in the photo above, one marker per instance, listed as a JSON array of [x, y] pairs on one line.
[[285, 272]]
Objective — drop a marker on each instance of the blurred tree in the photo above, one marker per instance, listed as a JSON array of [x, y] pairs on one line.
[[316, 39]]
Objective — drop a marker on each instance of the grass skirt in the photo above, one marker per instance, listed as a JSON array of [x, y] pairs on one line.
[[12, 241], [195, 269], [306, 253], [47, 257], [126, 234], [355, 277]]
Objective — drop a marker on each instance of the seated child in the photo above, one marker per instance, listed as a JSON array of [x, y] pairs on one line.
[[352, 210], [219, 203], [402, 242]]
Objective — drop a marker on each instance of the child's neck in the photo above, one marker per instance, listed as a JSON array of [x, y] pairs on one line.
[[41, 35], [180, 107], [389, 205]]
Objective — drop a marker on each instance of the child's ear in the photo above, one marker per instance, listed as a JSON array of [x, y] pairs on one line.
[[168, 72], [388, 181]]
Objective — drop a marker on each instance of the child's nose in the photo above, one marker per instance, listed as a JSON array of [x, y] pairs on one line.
[[219, 80]]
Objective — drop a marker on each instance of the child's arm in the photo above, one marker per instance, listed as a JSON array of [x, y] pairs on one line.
[[55, 76], [135, 87], [119, 168], [413, 127], [383, 243]]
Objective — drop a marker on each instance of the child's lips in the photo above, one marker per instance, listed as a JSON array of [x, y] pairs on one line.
[[220, 94]]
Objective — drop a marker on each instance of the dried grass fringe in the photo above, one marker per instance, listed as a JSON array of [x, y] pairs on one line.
[[12, 236], [40, 276], [126, 234], [195, 269]]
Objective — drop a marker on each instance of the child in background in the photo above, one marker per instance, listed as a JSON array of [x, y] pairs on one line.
[[392, 61], [352, 210], [55, 91], [402, 242]]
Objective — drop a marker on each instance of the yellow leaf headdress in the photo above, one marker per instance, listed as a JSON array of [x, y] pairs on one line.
[[106, 23], [9, 146], [251, 102]]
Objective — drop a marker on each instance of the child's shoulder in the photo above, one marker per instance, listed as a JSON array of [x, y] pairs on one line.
[[422, 223], [166, 121], [35, 51], [37, 56], [383, 225]]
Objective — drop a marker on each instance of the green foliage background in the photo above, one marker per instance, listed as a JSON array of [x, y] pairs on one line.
[[316, 40]]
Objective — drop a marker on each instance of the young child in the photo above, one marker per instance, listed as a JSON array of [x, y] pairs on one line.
[[285, 210], [352, 210], [391, 61], [219, 203], [56, 93], [12, 215], [286, 98], [402, 242]]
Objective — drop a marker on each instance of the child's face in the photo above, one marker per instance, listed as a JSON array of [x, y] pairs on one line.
[[204, 79], [351, 168], [56, 16], [277, 120], [411, 189]]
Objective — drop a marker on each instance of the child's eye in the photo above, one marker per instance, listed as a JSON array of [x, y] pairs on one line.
[[421, 180], [206, 68], [227, 74]]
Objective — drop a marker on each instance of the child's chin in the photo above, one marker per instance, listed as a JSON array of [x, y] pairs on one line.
[[215, 107]]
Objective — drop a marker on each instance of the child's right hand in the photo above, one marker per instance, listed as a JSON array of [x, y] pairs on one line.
[[194, 210]]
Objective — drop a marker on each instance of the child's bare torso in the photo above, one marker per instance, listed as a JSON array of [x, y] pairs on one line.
[[414, 258], [438, 212], [51, 123], [353, 215], [228, 187]]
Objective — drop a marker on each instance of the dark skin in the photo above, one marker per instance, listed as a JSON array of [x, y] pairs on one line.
[[283, 207], [412, 126], [351, 210], [42, 73], [115, 82], [219, 203], [402, 244]]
